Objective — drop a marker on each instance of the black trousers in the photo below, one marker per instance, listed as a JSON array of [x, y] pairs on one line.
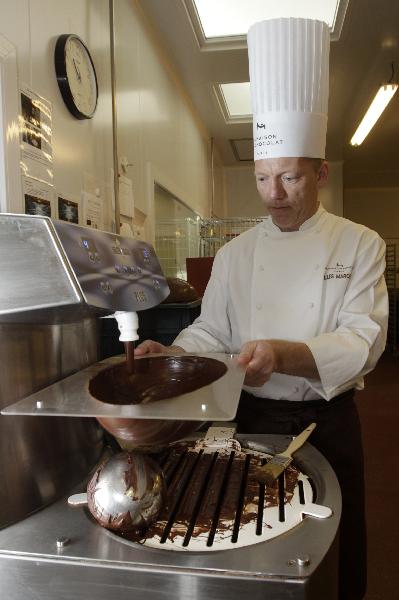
[[338, 437]]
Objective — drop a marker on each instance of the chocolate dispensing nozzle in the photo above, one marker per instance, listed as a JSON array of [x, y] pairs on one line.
[[128, 324]]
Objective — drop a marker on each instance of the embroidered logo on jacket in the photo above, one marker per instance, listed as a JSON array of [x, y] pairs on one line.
[[338, 271]]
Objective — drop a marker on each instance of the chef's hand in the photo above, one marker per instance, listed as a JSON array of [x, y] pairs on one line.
[[260, 359], [150, 346]]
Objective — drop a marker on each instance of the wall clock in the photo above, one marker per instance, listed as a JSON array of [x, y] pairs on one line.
[[76, 76]]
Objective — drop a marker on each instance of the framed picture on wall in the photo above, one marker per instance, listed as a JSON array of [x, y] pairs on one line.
[[68, 210]]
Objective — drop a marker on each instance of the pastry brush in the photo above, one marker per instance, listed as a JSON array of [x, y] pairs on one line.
[[276, 465]]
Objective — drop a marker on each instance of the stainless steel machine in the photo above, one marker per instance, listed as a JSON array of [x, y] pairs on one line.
[[221, 535], [56, 280]]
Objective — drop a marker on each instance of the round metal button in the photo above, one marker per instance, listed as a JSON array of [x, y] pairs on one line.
[[303, 561], [300, 561]]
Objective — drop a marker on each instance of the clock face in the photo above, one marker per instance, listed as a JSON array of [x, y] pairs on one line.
[[76, 76]]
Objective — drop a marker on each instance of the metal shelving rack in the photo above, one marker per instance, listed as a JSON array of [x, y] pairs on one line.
[[393, 294], [178, 239], [215, 233], [175, 240]]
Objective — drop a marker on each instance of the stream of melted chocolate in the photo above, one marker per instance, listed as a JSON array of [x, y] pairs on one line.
[[129, 351]]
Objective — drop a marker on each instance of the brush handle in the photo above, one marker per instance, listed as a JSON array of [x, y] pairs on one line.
[[299, 440]]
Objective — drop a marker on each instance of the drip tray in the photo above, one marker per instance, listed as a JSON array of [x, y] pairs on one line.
[[217, 401], [214, 501]]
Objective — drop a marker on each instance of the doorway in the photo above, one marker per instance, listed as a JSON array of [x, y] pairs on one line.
[[177, 229]]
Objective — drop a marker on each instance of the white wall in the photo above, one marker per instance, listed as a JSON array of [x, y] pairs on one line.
[[242, 198], [331, 195], [82, 150], [167, 207], [218, 182], [158, 131], [377, 208]]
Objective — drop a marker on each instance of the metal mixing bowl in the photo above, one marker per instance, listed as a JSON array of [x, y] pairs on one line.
[[155, 379]]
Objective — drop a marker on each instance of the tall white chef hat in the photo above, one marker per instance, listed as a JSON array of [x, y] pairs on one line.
[[288, 67]]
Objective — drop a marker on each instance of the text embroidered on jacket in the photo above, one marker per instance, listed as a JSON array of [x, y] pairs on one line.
[[338, 271]]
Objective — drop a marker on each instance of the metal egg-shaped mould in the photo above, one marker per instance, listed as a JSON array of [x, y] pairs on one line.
[[126, 492]]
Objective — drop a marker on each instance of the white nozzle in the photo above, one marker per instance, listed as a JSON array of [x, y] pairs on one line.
[[128, 323]]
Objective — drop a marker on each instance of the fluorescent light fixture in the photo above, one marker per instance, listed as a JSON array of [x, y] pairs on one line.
[[222, 18], [376, 108], [237, 97]]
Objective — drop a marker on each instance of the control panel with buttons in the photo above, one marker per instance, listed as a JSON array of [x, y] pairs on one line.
[[114, 273]]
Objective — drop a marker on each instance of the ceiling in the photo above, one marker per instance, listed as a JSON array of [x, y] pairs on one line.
[[360, 61]]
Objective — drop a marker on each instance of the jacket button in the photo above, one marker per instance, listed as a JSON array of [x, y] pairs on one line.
[[259, 306], [311, 304], [261, 268]]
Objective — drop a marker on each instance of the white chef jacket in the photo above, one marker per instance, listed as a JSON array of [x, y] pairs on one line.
[[322, 285]]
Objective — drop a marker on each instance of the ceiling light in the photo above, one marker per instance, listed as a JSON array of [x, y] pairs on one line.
[[238, 98], [376, 108], [234, 17]]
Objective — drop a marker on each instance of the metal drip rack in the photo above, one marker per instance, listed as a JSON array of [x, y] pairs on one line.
[[214, 501]]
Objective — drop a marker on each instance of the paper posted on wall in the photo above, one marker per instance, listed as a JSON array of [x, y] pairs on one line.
[[68, 210], [38, 197], [126, 199], [93, 210], [36, 136]]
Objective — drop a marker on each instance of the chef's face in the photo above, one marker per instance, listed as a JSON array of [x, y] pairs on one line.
[[289, 188]]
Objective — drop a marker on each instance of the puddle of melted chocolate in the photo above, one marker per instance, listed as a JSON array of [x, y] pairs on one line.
[[154, 378]]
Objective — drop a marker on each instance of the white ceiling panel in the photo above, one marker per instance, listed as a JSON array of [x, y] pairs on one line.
[[360, 61]]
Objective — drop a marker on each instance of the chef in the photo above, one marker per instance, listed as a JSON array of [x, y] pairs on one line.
[[301, 297]]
